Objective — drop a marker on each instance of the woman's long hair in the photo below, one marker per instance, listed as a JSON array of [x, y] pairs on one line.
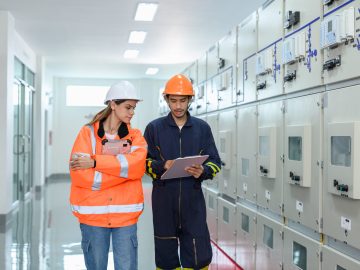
[[103, 114]]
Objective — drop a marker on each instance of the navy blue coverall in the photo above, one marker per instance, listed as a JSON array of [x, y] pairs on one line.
[[179, 210]]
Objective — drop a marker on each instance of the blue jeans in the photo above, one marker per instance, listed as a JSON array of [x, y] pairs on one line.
[[96, 243]]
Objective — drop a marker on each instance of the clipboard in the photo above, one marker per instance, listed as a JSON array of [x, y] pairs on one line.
[[177, 169]]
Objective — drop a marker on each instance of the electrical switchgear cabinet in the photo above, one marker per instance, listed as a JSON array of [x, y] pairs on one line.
[[246, 153], [246, 55], [212, 61], [211, 198], [341, 206], [333, 259], [227, 227], [213, 121], [245, 237], [302, 171], [300, 251], [340, 42], [269, 243], [269, 71], [270, 190], [201, 63], [227, 144], [201, 98], [301, 47]]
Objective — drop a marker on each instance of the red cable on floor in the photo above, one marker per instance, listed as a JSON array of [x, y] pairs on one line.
[[229, 261]]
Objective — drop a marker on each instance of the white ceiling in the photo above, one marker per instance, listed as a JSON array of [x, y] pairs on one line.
[[87, 38]]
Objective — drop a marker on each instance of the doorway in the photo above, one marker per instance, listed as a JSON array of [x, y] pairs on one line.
[[23, 139]]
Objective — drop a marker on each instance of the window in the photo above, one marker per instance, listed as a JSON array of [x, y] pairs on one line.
[[245, 166], [264, 145], [211, 202], [82, 95], [299, 256], [245, 222], [22, 72], [341, 151], [226, 215], [268, 236], [295, 148]]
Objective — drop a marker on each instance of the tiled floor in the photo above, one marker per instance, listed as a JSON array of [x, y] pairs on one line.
[[221, 261], [43, 234]]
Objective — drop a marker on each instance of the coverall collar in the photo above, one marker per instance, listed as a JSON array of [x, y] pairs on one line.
[[170, 120]]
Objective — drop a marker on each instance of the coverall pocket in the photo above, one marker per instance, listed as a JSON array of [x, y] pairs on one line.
[[202, 251]]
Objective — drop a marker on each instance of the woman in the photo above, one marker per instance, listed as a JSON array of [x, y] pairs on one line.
[[106, 166]]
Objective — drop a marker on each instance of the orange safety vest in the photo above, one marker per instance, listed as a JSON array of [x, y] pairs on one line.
[[111, 194]]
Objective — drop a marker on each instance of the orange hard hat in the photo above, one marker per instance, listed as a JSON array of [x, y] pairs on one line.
[[179, 85]]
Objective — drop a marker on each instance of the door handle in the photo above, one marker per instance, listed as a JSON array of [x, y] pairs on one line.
[[27, 141], [20, 140]]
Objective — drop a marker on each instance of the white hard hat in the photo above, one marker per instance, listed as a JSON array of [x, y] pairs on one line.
[[122, 90]]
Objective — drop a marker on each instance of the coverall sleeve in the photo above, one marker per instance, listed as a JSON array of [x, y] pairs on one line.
[[130, 166], [212, 165], [154, 162], [86, 178]]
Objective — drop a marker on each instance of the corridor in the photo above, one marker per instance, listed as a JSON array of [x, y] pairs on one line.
[[43, 234]]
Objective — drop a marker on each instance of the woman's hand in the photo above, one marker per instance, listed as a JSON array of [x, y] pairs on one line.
[[81, 163]]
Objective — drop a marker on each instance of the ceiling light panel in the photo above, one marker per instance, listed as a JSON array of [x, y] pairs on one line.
[[131, 54], [151, 71], [137, 37], [145, 12]]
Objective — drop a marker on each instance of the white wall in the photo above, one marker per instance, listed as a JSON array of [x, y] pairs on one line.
[[24, 53], [48, 85], [6, 109], [39, 124], [67, 121], [11, 44]]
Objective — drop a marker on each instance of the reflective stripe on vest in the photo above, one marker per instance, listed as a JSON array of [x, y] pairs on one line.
[[97, 181], [124, 166], [108, 209], [98, 175], [134, 148]]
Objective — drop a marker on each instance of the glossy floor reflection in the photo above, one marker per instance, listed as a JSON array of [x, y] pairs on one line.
[[43, 234]]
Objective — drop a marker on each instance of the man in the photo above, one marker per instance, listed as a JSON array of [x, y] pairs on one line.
[[179, 210]]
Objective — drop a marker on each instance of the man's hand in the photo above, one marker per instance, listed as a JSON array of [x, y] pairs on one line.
[[81, 163], [168, 164], [195, 170]]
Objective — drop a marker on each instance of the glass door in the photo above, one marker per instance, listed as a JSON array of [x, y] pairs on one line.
[[17, 147], [28, 137], [23, 132]]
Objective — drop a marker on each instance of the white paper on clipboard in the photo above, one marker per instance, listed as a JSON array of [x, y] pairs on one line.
[[177, 169]]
